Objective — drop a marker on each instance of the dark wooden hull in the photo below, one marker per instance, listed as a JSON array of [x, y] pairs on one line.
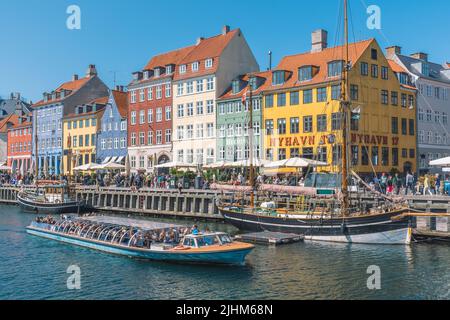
[[29, 205], [368, 229]]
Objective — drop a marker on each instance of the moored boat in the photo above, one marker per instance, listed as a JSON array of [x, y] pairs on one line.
[[49, 199], [144, 240]]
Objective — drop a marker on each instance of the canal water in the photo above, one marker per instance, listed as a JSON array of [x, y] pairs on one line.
[[35, 268]]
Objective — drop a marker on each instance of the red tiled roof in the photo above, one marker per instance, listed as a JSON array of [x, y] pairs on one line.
[[266, 75], [210, 48], [12, 118], [121, 99], [172, 57], [21, 125], [319, 59], [102, 100], [396, 67], [71, 86]]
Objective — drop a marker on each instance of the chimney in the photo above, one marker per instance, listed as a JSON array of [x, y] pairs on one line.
[[420, 56], [319, 40], [225, 30], [92, 71], [45, 94], [393, 51], [200, 39], [75, 77]]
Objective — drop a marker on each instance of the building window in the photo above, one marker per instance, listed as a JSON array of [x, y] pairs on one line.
[[158, 136], [395, 157], [208, 63], [374, 72], [322, 154], [364, 69], [294, 98], [141, 138], [281, 126], [150, 93], [364, 156], [282, 154], [168, 91], [384, 97], [190, 109], [133, 96], [159, 114], [355, 155], [384, 73], [307, 96], [295, 125], [321, 94], [210, 84], [375, 156], [354, 92], [158, 92], [305, 73], [412, 130], [269, 101], [394, 123], [269, 127], [394, 98], [210, 106], [133, 139], [195, 66], [374, 54], [321, 123], [168, 136], [336, 123], [335, 68], [200, 85], [404, 100], [278, 77], [133, 118], [141, 117], [307, 124], [336, 92], [281, 99], [168, 113], [190, 131], [199, 107], [150, 137], [183, 69]]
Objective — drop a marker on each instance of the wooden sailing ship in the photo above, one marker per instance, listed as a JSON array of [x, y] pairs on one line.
[[386, 224]]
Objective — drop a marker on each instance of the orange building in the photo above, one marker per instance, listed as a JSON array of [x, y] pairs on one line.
[[20, 136]]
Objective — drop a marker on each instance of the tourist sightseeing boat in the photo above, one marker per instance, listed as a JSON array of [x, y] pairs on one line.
[[49, 199], [335, 220], [143, 239]]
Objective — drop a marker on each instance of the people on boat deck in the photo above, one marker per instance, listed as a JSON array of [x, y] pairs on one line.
[[195, 230], [47, 220]]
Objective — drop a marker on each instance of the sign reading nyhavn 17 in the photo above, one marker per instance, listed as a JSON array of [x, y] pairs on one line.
[[331, 139]]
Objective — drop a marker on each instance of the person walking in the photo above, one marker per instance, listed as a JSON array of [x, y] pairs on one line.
[[437, 184], [409, 183], [398, 183], [383, 183], [426, 186]]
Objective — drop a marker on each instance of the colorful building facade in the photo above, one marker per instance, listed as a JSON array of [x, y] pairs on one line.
[[151, 111], [432, 81], [20, 137], [233, 118], [302, 116], [49, 112], [202, 76], [113, 134], [80, 134]]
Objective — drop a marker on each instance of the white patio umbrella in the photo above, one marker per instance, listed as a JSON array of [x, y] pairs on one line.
[[86, 167], [175, 164], [111, 166], [4, 167], [246, 163], [442, 162], [216, 165], [295, 163]]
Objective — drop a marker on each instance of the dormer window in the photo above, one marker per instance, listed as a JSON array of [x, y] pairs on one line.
[[157, 72], [278, 77], [374, 54], [236, 86], [183, 69], [305, 73], [208, 63], [169, 70], [335, 68], [146, 74], [195, 66], [425, 69]]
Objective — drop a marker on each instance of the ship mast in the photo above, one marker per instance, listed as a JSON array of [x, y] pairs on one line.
[[345, 105], [250, 133]]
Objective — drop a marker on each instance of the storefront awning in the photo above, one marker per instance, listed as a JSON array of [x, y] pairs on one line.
[[106, 160]]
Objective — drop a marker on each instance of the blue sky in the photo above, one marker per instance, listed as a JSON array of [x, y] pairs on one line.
[[38, 52]]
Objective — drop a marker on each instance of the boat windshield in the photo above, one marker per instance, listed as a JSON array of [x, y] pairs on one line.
[[207, 241], [224, 238]]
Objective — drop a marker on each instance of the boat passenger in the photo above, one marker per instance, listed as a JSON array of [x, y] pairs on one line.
[[195, 230]]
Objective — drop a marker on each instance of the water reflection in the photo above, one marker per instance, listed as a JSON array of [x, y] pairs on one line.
[[35, 268]]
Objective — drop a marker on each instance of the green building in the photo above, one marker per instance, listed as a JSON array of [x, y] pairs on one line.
[[233, 118]]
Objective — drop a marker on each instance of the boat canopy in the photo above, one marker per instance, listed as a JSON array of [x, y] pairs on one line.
[[125, 222]]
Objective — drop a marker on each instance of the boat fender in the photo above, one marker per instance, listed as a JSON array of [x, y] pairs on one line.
[[57, 201]]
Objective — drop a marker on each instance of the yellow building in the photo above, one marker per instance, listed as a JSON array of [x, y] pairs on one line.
[[80, 134], [302, 116]]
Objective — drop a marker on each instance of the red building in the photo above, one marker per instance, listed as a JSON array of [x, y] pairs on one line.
[[20, 137], [150, 111]]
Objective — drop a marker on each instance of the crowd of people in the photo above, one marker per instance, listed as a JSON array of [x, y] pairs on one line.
[[389, 184], [396, 184]]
